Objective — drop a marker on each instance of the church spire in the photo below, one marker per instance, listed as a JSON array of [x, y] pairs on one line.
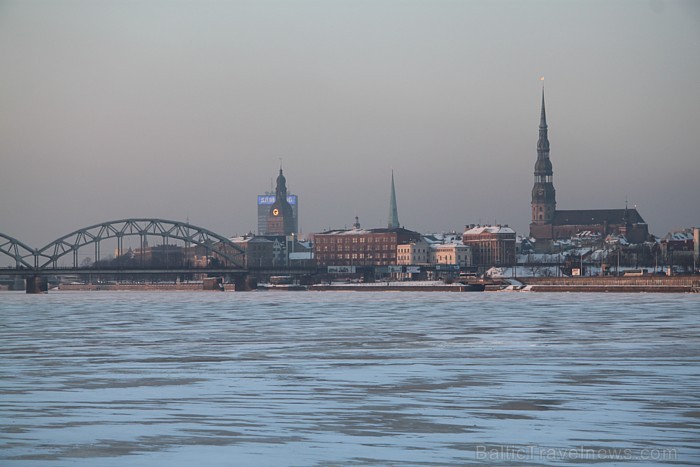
[[393, 211], [543, 193], [543, 142], [543, 115]]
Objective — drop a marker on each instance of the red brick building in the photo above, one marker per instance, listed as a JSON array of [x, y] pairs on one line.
[[492, 245], [360, 247]]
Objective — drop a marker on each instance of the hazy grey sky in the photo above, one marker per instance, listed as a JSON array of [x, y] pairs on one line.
[[177, 109]]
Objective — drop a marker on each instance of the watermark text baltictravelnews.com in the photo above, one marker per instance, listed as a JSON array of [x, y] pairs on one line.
[[523, 453]]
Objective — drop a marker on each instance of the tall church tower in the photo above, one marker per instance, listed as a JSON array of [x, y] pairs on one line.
[[393, 210], [543, 194], [280, 219]]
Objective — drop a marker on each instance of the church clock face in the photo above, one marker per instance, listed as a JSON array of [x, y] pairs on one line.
[[275, 212], [540, 191]]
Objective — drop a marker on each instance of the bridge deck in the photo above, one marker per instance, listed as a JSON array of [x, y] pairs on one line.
[[136, 271]]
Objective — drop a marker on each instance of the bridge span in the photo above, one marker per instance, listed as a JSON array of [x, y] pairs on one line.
[[35, 264]]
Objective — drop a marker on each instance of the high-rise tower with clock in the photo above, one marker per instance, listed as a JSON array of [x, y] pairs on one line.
[[280, 218]]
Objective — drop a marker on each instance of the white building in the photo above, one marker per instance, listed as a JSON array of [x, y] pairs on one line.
[[416, 253], [451, 253], [435, 249]]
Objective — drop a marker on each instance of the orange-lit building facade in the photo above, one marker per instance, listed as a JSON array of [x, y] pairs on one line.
[[360, 247], [491, 245]]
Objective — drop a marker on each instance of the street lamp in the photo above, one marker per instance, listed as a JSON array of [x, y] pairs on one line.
[[656, 260], [289, 253], [293, 235]]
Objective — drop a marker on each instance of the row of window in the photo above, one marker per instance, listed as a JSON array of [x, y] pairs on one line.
[[330, 256], [414, 258], [354, 239], [448, 259], [350, 248]]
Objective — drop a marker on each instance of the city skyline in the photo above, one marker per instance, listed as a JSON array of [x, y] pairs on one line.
[[182, 111]]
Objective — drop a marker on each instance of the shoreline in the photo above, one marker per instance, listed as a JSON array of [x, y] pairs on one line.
[[387, 287], [191, 287], [622, 284], [678, 284]]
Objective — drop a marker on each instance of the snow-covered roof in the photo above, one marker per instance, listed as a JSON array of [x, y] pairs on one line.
[[579, 252], [364, 231], [495, 229], [443, 238], [346, 232], [444, 246], [616, 240], [246, 239], [679, 236], [587, 233]]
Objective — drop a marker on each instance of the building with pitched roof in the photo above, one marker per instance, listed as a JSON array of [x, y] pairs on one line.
[[364, 247], [360, 247], [549, 224], [491, 245]]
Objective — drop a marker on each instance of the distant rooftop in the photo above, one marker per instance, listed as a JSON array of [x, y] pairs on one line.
[[365, 231], [679, 236], [495, 229], [248, 238], [597, 216]]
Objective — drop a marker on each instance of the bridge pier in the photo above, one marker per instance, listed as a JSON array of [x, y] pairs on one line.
[[241, 283], [251, 282], [36, 284], [244, 283], [213, 283], [19, 284]]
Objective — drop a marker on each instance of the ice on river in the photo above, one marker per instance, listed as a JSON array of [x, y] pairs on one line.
[[347, 378]]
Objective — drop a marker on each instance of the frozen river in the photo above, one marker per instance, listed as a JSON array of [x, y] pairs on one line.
[[349, 378]]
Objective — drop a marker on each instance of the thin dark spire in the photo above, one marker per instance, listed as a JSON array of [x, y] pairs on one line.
[[543, 141], [393, 211], [543, 116]]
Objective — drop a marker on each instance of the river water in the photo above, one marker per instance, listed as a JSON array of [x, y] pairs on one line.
[[349, 378]]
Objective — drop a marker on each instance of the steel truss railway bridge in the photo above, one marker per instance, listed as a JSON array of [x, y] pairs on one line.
[[36, 264]]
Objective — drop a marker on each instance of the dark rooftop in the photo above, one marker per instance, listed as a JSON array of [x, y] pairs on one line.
[[597, 216]]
